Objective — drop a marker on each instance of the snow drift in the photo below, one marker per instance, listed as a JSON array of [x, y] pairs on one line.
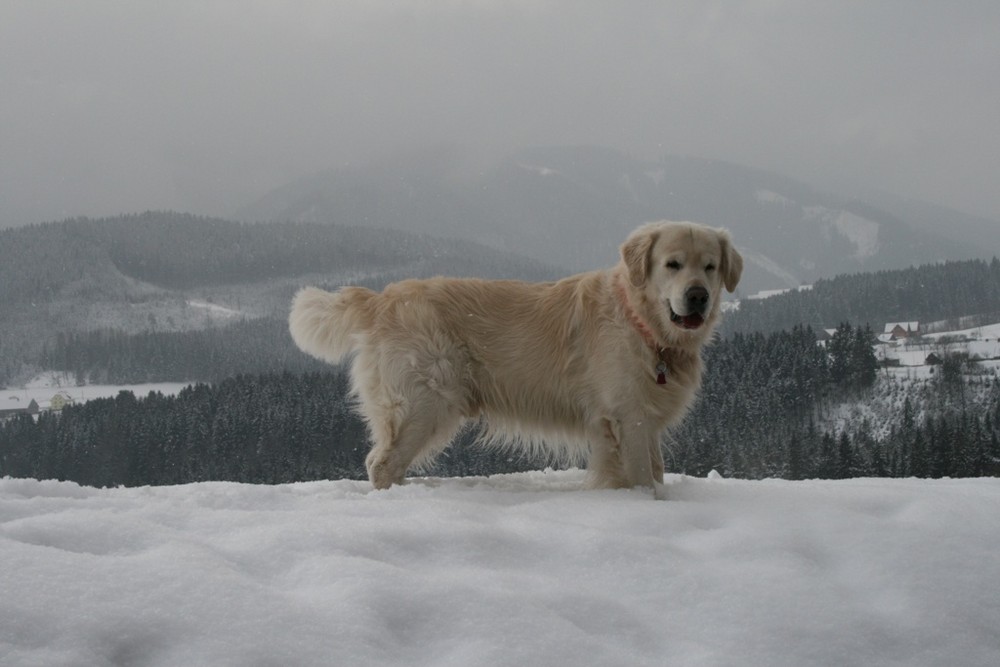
[[508, 570]]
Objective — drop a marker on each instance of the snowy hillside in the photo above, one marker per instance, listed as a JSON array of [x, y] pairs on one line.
[[511, 570], [980, 343]]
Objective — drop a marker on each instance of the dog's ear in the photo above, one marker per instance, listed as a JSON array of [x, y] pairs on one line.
[[636, 253], [732, 261]]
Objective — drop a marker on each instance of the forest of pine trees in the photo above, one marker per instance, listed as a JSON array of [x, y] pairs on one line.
[[757, 417], [764, 396], [260, 429], [251, 347], [926, 293]]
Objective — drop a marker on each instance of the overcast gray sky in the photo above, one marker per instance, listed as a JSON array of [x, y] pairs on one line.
[[202, 105]]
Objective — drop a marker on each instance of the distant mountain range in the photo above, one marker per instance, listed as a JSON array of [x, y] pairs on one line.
[[170, 272], [536, 215], [572, 206]]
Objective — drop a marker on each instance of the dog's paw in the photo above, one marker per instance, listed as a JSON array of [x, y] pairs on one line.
[[381, 472]]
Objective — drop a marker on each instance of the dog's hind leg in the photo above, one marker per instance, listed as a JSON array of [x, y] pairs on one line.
[[426, 427], [414, 399], [415, 415]]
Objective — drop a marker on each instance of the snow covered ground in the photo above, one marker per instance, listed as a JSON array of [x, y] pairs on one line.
[[221, 311], [45, 386], [988, 333], [981, 343], [511, 570]]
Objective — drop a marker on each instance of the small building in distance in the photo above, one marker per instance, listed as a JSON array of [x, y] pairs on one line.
[[60, 401], [901, 330]]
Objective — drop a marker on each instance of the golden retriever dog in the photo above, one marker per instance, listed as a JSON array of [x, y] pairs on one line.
[[595, 366]]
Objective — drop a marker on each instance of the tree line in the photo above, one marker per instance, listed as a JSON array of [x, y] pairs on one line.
[[258, 429], [249, 347], [768, 403], [181, 251], [927, 293], [759, 415]]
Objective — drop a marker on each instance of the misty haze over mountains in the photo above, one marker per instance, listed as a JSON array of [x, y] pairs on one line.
[[203, 107], [568, 208], [200, 106], [572, 206]]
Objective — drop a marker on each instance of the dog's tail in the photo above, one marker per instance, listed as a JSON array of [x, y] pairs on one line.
[[326, 324]]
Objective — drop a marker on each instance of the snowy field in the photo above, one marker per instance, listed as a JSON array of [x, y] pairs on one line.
[[42, 388], [511, 570], [988, 332]]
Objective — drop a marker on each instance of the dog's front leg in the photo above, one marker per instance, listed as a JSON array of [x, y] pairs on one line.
[[656, 461], [622, 456]]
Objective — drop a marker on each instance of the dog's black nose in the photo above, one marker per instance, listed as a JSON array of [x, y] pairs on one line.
[[697, 299]]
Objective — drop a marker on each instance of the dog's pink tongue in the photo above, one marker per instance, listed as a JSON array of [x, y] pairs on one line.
[[692, 321]]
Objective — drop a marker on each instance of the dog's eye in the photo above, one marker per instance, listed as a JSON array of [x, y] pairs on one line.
[[710, 268], [674, 265]]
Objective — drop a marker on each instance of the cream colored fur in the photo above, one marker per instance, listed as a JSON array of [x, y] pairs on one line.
[[568, 365]]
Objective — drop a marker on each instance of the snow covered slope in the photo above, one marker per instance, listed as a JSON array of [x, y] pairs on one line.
[[511, 570]]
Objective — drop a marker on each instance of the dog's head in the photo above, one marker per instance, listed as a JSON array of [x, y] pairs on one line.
[[677, 270]]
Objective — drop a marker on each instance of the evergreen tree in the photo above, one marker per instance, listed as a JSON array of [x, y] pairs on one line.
[[919, 465], [864, 365], [828, 463], [844, 463], [795, 462], [840, 347]]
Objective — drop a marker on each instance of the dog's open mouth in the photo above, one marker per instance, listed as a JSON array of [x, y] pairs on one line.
[[690, 321]]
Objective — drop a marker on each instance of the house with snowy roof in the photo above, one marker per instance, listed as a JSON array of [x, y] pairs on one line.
[[900, 330]]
